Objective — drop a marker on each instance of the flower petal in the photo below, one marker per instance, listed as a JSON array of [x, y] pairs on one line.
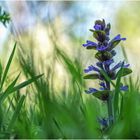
[[108, 62], [102, 84], [124, 88], [91, 68], [97, 27], [126, 66], [91, 90], [102, 48], [117, 66], [120, 64], [89, 43], [118, 37], [99, 64]]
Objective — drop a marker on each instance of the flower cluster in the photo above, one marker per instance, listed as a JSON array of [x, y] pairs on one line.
[[105, 53]]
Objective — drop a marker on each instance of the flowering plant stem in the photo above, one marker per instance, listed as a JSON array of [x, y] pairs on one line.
[[105, 72], [110, 110]]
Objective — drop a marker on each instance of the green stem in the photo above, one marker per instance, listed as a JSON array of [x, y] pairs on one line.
[[110, 111], [109, 106]]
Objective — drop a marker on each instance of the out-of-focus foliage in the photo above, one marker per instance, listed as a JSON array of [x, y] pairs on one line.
[[128, 125], [127, 23], [4, 17]]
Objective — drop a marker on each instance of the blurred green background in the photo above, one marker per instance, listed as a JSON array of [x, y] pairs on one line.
[[38, 24], [50, 35]]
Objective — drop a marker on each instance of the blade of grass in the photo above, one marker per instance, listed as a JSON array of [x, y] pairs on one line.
[[16, 113], [68, 63], [117, 91], [18, 87], [124, 53], [1, 70], [26, 83], [10, 87], [7, 67]]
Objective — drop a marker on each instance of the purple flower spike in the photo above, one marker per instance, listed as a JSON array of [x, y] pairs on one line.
[[105, 52]]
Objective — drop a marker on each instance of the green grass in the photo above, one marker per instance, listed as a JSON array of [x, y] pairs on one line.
[[43, 112]]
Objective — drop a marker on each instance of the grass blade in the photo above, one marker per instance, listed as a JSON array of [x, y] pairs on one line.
[[16, 113], [10, 87], [7, 66], [124, 53], [1, 70], [26, 83], [117, 91], [18, 87]]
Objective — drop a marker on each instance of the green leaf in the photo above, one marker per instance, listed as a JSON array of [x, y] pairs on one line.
[[98, 55], [99, 35], [7, 66], [91, 47], [16, 113], [102, 95], [125, 72], [103, 56], [91, 76], [108, 27], [107, 55], [117, 91], [91, 30]]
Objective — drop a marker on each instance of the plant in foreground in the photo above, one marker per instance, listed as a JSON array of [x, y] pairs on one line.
[[8, 89], [106, 71]]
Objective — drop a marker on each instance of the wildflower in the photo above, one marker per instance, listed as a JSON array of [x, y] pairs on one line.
[[105, 56], [105, 53]]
